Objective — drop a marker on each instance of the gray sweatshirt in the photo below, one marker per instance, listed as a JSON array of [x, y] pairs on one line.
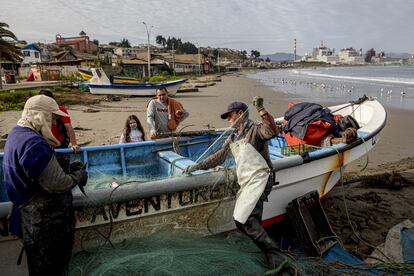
[[157, 116]]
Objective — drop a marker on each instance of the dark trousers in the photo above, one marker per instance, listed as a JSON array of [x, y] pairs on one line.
[[253, 228], [48, 232]]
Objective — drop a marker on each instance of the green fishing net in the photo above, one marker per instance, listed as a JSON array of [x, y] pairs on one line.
[[178, 254], [185, 253]]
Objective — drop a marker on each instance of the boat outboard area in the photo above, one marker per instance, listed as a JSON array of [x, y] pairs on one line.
[[136, 189]]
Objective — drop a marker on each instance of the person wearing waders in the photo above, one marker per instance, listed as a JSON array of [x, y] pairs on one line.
[[40, 190], [249, 147]]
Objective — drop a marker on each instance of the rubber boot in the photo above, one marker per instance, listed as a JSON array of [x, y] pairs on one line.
[[256, 232]]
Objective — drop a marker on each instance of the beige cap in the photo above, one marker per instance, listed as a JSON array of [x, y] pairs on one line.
[[45, 104]]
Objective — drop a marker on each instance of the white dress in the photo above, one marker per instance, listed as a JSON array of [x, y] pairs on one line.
[[135, 135]]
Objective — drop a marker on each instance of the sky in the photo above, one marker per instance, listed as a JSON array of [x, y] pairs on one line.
[[268, 26]]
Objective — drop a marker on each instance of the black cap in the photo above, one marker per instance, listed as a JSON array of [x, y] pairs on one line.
[[234, 106]]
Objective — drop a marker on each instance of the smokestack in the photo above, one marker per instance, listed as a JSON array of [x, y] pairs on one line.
[[294, 50]]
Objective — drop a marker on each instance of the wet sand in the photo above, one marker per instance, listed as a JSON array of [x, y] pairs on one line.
[[370, 206]]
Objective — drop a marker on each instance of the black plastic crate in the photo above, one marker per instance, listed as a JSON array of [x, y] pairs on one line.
[[311, 224]]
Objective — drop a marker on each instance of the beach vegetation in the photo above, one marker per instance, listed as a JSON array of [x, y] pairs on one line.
[[15, 99]]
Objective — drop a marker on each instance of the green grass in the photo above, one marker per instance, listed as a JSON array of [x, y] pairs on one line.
[[15, 99], [161, 78]]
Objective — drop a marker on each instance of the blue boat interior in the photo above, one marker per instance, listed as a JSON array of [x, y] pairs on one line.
[[153, 160]]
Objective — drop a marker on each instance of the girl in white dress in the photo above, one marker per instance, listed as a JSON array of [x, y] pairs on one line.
[[133, 131]]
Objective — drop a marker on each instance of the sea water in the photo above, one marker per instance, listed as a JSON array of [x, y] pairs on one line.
[[393, 86]]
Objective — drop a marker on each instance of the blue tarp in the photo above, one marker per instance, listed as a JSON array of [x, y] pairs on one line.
[[338, 254], [407, 240]]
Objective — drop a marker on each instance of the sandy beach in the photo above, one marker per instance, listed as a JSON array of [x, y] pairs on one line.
[[394, 151]]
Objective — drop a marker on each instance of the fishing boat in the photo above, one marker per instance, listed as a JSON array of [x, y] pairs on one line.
[[136, 188], [86, 75], [100, 84]]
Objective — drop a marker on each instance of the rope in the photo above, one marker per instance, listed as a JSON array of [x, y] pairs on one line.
[[172, 165], [230, 130]]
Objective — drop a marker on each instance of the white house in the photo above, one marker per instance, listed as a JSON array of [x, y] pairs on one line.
[[129, 52], [31, 54]]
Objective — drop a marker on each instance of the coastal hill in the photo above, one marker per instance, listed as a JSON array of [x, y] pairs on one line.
[[280, 57]]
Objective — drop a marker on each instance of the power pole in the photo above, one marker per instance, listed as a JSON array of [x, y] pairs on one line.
[[149, 54], [199, 61], [218, 61], [173, 51]]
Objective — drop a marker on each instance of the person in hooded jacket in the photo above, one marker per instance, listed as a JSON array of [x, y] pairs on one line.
[[42, 214]]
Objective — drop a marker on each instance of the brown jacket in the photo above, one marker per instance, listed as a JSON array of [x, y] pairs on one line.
[[257, 134], [176, 113]]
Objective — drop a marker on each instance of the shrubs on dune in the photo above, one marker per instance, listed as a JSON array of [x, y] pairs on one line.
[[15, 99]]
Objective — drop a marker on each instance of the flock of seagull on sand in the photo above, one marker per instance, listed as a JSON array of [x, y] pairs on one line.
[[342, 88]]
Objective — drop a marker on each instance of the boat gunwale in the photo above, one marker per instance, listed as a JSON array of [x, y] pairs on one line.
[[137, 86]]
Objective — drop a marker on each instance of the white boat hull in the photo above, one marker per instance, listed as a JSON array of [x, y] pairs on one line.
[[100, 84], [115, 90]]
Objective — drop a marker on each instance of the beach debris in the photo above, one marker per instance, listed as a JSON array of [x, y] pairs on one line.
[[81, 128], [392, 248], [391, 180], [85, 143], [90, 110], [187, 88], [112, 98]]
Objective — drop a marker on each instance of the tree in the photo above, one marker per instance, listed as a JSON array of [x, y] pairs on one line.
[[174, 43], [255, 53], [96, 42], [114, 43], [188, 48], [8, 51], [161, 40], [125, 43]]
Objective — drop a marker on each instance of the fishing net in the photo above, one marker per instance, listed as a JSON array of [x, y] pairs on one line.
[[183, 252], [178, 254]]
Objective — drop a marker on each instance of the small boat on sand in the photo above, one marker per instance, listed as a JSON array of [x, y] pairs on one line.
[[86, 75], [100, 84], [135, 189]]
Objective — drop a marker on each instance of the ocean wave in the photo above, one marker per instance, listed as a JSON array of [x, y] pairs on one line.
[[354, 78]]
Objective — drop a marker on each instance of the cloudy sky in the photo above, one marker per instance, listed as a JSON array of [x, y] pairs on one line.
[[268, 26]]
